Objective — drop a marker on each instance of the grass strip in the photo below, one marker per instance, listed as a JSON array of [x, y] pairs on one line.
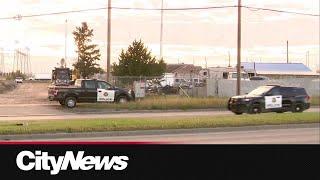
[[171, 102], [126, 124], [164, 103]]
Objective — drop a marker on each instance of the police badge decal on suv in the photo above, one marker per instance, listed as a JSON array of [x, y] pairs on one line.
[[270, 98]]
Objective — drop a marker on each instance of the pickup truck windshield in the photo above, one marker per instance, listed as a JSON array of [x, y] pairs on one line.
[[260, 90]]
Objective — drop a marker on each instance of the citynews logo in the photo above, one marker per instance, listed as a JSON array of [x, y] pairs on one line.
[[42, 161]]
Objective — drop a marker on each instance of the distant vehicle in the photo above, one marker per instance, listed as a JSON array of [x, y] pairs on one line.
[[259, 78], [270, 98], [19, 79], [89, 91], [42, 76], [167, 79], [234, 75]]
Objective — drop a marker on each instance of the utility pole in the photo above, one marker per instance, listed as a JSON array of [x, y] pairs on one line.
[[29, 62], [229, 59], [14, 58], [2, 60], [65, 41], [205, 58], [161, 30], [287, 51], [307, 58], [239, 49], [308, 55], [109, 40]]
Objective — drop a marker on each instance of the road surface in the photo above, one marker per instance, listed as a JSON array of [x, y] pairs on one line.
[[272, 134], [55, 112], [29, 102]]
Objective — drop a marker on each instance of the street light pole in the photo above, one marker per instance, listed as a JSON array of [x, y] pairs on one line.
[[287, 51], [65, 41], [161, 29], [109, 40], [229, 58], [239, 49]]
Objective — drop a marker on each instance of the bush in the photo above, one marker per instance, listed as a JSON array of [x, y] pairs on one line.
[[13, 75]]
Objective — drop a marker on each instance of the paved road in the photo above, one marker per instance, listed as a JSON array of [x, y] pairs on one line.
[[49, 111], [273, 134]]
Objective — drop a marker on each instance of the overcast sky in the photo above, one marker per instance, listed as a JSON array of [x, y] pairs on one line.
[[189, 36]]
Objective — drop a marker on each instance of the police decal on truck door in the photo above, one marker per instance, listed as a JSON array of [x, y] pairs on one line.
[[273, 101], [104, 95]]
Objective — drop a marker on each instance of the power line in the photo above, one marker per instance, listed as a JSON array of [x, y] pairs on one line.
[[174, 9], [156, 9], [119, 8], [280, 11], [53, 13]]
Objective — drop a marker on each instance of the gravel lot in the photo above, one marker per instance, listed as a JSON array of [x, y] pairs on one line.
[[26, 93]]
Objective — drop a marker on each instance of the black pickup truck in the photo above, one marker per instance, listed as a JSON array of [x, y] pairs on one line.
[[88, 91]]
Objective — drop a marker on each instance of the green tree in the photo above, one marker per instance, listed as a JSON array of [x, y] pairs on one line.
[[88, 54], [138, 61]]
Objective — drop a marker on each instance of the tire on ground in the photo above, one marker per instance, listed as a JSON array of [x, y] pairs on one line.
[[255, 109], [122, 99], [70, 102], [238, 113], [297, 108]]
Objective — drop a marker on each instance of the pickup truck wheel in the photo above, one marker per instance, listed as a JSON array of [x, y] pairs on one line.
[[122, 99], [71, 102]]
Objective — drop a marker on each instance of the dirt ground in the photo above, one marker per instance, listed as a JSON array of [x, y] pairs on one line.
[[26, 93]]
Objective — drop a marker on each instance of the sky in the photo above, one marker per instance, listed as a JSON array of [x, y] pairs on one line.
[[200, 37]]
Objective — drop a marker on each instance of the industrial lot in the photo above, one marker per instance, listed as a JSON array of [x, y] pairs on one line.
[[94, 80]]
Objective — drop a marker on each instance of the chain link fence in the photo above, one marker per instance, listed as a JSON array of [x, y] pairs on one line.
[[205, 87], [160, 85]]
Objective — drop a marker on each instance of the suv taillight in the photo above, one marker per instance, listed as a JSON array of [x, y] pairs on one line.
[[308, 98]]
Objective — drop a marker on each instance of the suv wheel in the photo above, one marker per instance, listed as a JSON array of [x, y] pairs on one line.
[[238, 113], [297, 108], [256, 110], [122, 100], [71, 102]]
